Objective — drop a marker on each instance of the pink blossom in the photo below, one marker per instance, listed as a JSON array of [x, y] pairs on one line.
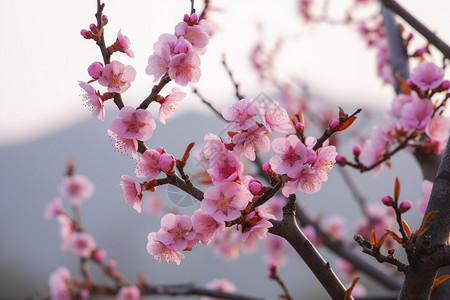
[[326, 158], [132, 192], [437, 129], [274, 117], [375, 148], [399, 102], [226, 168], [124, 146], [77, 188], [184, 68], [227, 244], [253, 139], [122, 44], [225, 201], [161, 252], [158, 62], [359, 291], [176, 232], [306, 180], [427, 76], [422, 203], [117, 77], [95, 69], [276, 205], [346, 269], [291, 155], [223, 285], [310, 234], [197, 35], [59, 283], [130, 292], [65, 230], [206, 226], [82, 244], [256, 226], [133, 124], [214, 148], [241, 114], [153, 206], [53, 208], [93, 101], [147, 166], [166, 163], [416, 114], [170, 104], [335, 226], [276, 249]]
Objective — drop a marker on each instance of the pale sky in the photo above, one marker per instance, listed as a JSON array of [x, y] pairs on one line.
[[43, 55]]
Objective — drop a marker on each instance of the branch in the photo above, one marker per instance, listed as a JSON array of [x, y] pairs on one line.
[[208, 104], [180, 183], [417, 25], [230, 74], [155, 90], [288, 229]]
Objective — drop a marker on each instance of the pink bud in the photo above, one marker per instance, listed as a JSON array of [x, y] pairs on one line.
[[86, 34], [166, 162], [161, 150], [104, 20], [95, 69], [273, 268], [405, 206], [445, 85], [420, 52], [186, 18], [341, 158], [357, 150], [311, 156], [99, 255], [410, 36], [334, 123], [266, 167], [388, 200], [299, 126], [255, 187], [194, 18], [93, 28]]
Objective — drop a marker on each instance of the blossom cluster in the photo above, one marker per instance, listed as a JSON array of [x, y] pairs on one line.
[[417, 110], [178, 54]]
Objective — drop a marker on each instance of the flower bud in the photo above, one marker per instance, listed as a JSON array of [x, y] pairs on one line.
[[255, 186], [111, 265], [104, 20], [194, 18], [445, 85], [357, 150], [388, 200], [186, 18], [266, 167], [86, 34], [95, 70], [299, 126], [166, 163], [99, 255], [93, 28], [334, 123], [161, 150], [405, 206]]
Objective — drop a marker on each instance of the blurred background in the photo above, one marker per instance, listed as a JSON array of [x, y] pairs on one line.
[[43, 122]]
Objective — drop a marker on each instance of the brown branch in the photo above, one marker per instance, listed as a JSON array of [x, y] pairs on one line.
[[213, 109], [180, 183], [239, 96], [367, 248], [417, 25], [288, 229], [155, 90]]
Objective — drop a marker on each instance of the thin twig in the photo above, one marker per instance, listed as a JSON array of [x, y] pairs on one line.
[[155, 90], [195, 91], [239, 96]]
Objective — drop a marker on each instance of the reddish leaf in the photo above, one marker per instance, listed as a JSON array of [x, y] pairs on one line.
[[397, 189], [439, 281], [187, 153], [346, 124], [373, 239], [428, 217], [341, 113], [100, 32], [348, 292], [394, 236], [383, 238], [407, 229], [301, 118], [423, 231]]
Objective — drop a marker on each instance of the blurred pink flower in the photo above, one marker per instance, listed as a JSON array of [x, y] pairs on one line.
[[59, 283], [310, 234], [335, 226], [65, 230], [82, 244], [77, 188], [399, 102], [153, 205], [416, 114], [223, 285], [117, 77], [422, 203], [276, 205], [276, 249], [130, 292], [437, 128], [227, 245], [427, 76], [53, 208], [346, 269], [133, 124]]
